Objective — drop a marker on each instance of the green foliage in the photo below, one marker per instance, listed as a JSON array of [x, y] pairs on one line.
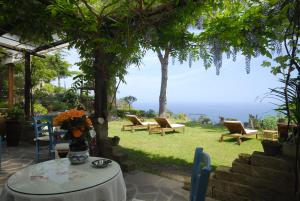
[[140, 113], [71, 98], [3, 104], [59, 106], [129, 100], [39, 109], [230, 119], [43, 92], [269, 122], [15, 113], [170, 114], [204, 119], [46, 69], [150, 113], [182, 116]]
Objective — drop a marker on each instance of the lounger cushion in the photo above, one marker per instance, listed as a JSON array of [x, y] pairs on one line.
[[249, 131], [177, 125], [146, 123]]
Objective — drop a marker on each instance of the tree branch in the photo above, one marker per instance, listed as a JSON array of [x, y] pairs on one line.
[[79, 9], [91, 9], [159, 54]]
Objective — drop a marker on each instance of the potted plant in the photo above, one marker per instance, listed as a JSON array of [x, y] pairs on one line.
[[14, 126], [78, 127]]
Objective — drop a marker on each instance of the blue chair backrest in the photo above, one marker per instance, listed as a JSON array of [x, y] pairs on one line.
[[200, 175], [43, 125]]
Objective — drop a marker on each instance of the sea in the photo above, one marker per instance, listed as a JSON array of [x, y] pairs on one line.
[[238, 111]]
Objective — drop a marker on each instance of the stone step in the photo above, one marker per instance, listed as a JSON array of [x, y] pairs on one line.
[[263, 173], [210, 199], [224, 196], [120, 157], [231, 191], [128, 166], [245, 158], [278, 163], [113, 150], [225, 173]]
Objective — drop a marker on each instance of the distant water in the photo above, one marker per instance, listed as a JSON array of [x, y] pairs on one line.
[[238, 111]]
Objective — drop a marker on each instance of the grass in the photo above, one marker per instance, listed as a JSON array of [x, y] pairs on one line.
[[175, 151]]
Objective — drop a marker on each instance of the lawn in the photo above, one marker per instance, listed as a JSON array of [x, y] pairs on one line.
[[175, 151]]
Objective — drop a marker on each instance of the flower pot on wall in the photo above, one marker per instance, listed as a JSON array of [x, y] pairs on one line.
[[14, 129], [271, 148]]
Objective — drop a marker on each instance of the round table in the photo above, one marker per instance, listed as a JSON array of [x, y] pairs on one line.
[[58, 180]]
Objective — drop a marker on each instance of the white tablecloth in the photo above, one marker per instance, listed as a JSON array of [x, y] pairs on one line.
[[57, 180]]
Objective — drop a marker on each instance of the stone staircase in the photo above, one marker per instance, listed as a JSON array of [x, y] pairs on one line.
[[255, 177]]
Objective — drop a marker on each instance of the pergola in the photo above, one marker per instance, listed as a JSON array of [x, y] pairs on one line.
[[14, 50]]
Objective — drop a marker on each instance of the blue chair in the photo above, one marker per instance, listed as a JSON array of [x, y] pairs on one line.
[[200, 175], [43, 133]]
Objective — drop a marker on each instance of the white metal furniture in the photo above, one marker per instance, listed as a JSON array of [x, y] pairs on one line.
[[58, 180]]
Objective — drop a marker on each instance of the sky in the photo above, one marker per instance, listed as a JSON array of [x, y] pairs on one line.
[[195, 84]]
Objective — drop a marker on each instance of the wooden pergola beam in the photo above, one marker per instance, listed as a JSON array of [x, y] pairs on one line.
[[18, 49], [48, 46], [27, 87], [10, 85]]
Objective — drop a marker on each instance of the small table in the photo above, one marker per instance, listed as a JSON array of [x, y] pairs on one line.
[[58, 180], [270, 134]]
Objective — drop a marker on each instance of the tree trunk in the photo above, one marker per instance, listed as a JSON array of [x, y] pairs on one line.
[[27, 87], [58, 81], [164, 61], [101, 64]]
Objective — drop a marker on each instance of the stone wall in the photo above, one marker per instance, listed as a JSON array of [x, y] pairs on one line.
[[255, 177]]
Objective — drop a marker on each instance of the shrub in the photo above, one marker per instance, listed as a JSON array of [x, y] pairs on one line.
[[59, 106], [204, 119], [169, 114], [150, 113], [15, 113], [230, 119], [140, 113], [269, 122], [71, 98], [3, 104], [39, 109], [182, 116]]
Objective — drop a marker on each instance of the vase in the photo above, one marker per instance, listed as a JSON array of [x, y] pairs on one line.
[[79, 152]]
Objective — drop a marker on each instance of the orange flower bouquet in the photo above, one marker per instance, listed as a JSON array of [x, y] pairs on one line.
[[77, 125]]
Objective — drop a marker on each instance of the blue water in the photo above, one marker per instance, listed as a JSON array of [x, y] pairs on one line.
[[238, 111]]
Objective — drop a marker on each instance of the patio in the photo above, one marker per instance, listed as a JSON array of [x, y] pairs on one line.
[[141, 186]]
